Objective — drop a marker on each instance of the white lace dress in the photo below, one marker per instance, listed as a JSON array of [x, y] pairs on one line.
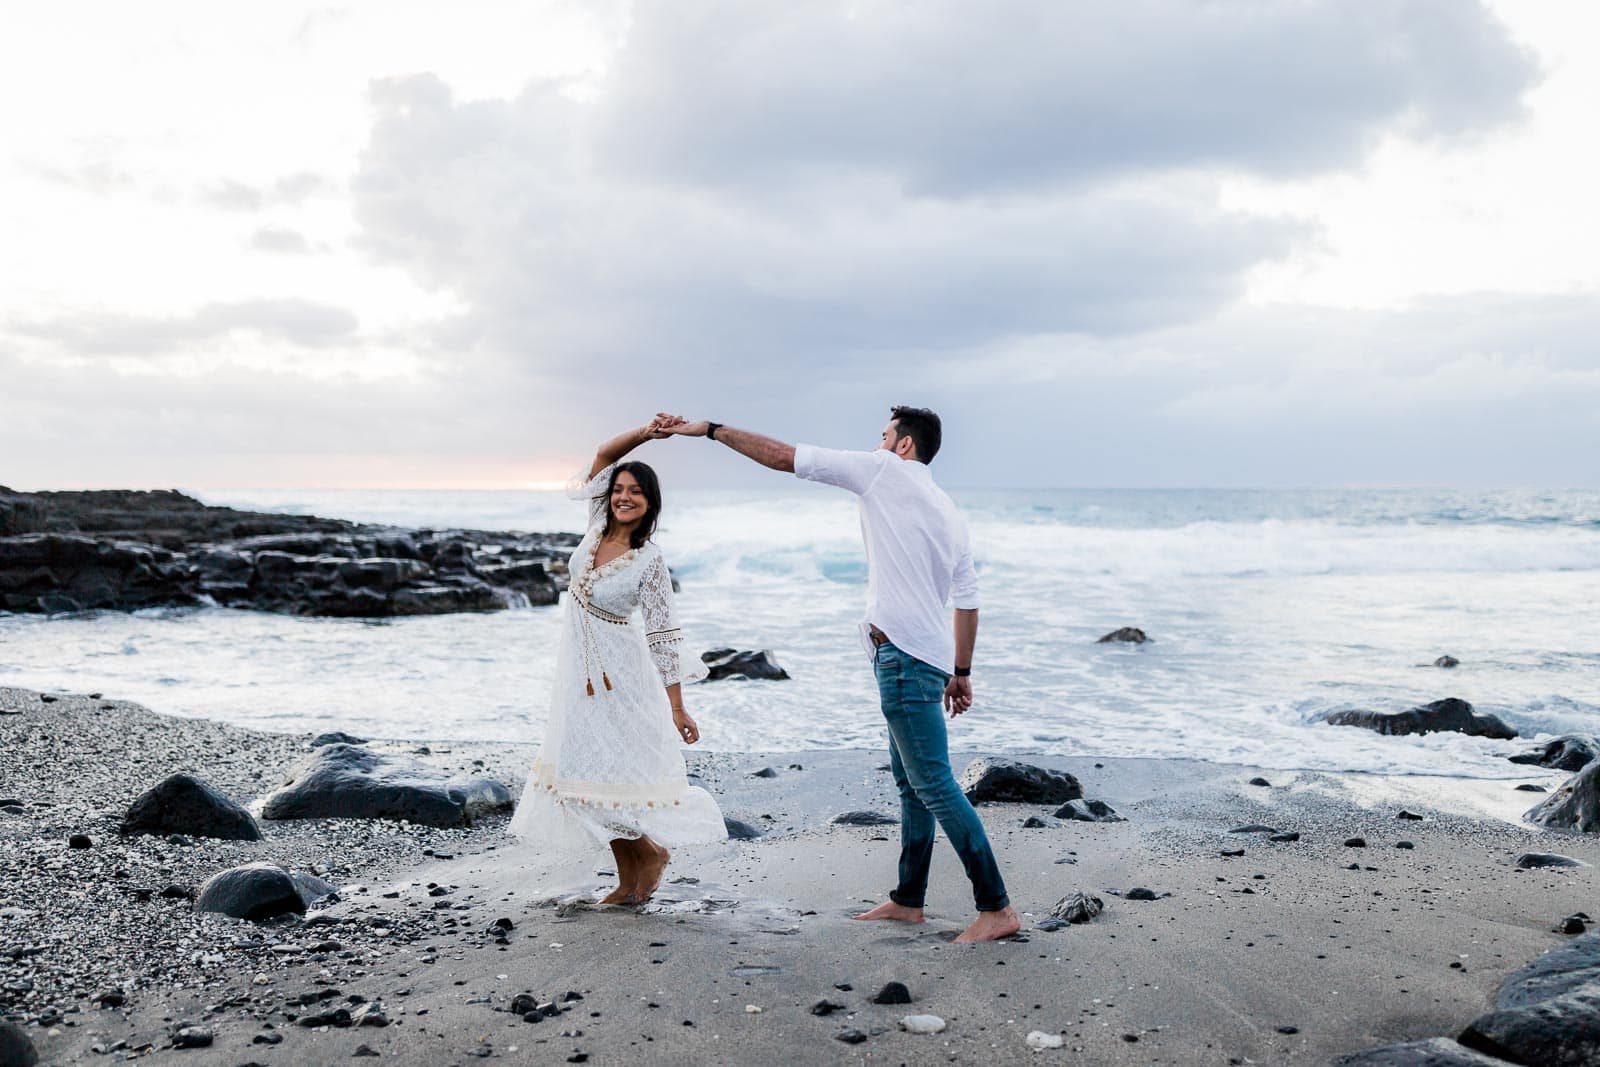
[[611, 764]]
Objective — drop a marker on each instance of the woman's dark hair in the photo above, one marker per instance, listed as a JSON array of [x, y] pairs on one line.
[[922, 426], [652, 494]]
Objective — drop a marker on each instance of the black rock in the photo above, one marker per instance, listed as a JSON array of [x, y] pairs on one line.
[[991, 779], [192, 1037], [1260, 782], [79, 841], [765, 772], [850, 1037], [1434, 1052], [1571, 925], [1530, 787], [738, 830], [259, 891], [1448, 714], [342, 781], [1447, 662], [1232, 852], [174, 891], [268, 1037], [16, 1048], [335, 737], [1569, 752], [892, 993], [1077, 907], [1573, 806], [1038, 822], [1563, 1031], [1355, 842], [1139, 893], [1254, 828], [339, 1017], [1404, 844], [1532, 860], [111, 998], [863, 818], [1409, 816], [730, 663], [523, 1003], [826, 1007], [1286, 837], [1126, 635], [1088, 811], [1565, 969], [184, 804]]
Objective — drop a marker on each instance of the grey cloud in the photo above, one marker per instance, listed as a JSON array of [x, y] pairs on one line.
[[965, 98], [280, 239], [300, 322], [229, 194]]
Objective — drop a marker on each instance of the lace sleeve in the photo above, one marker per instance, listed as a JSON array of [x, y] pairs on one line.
[[667, 648], [581, 487]]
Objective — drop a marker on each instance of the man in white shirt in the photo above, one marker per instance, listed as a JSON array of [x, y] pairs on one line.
[[918, 560]]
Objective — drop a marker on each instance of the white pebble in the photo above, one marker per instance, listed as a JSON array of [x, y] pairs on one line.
[[1038, 1040], [752, 1009], [922, 1024]]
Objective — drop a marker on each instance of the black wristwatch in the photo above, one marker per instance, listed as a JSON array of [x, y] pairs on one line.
[[963, 672], [712, 428]]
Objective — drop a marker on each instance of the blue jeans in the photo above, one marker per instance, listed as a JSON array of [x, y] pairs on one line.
[[912, 693]]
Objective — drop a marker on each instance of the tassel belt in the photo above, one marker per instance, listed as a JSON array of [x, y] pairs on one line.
[[591, 650]]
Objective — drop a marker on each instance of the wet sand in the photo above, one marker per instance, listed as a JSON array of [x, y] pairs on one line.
[[1286, 954]]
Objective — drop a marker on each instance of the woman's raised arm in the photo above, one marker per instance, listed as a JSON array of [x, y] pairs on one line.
[[625, 442]]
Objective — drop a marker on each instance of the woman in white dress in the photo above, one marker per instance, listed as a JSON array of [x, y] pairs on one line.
[[610, 770]]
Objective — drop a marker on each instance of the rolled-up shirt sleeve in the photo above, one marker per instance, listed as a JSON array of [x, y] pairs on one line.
[[855, 471], [964, 583]]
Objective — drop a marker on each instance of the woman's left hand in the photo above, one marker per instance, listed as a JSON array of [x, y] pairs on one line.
[[686, 726]]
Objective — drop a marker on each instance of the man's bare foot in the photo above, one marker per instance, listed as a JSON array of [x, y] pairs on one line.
[[623, 894], [891, 910], [991, 926], [649, 872]]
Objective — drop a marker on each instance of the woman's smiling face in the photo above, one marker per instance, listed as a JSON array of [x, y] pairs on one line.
[[628, 502]]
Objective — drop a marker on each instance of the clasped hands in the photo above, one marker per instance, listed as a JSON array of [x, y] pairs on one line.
[[664, 425]]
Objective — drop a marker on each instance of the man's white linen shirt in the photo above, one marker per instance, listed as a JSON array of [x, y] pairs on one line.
[[919, 555]]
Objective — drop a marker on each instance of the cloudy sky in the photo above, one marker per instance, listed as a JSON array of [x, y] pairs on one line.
[[1114, 242]]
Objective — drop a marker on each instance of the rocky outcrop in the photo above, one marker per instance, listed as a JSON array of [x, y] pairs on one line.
[[1441, 715], [1574, 806], [991, 779], [184, 804], [1569, 752], [1548, 1012], [62, 552], [1088, 811], [259, 891], [1434, 1052], [340, 781], [731, 663]]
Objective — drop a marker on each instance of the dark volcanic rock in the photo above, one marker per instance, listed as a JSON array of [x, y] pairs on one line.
[[1441, 715], [126, 550], [739, 830], [1088, 811], [731, 663], [1574, 806], [1127, 635], [1447, 662], [1548, 1011], [1569, 752], [259, 891], [863, 818], [893, 993], [335, 737], [16, 1048], [184, 804], [342, 781], [1529, 861], [991, 779], [1435, 1052]]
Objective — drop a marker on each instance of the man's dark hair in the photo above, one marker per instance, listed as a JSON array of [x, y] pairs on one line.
[[651, 486], [922, 426]]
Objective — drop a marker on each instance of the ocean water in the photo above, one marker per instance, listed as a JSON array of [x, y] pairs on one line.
[[1266, 609]]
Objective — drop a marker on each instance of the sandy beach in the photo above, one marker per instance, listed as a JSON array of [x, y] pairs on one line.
[[1293, 952]]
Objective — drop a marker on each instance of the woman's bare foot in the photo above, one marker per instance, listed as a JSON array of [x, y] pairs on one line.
[[991, 926], [623, 894], [891, 910], [647, 877]]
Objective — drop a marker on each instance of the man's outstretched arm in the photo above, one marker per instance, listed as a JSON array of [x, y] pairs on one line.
[[764, 450]]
